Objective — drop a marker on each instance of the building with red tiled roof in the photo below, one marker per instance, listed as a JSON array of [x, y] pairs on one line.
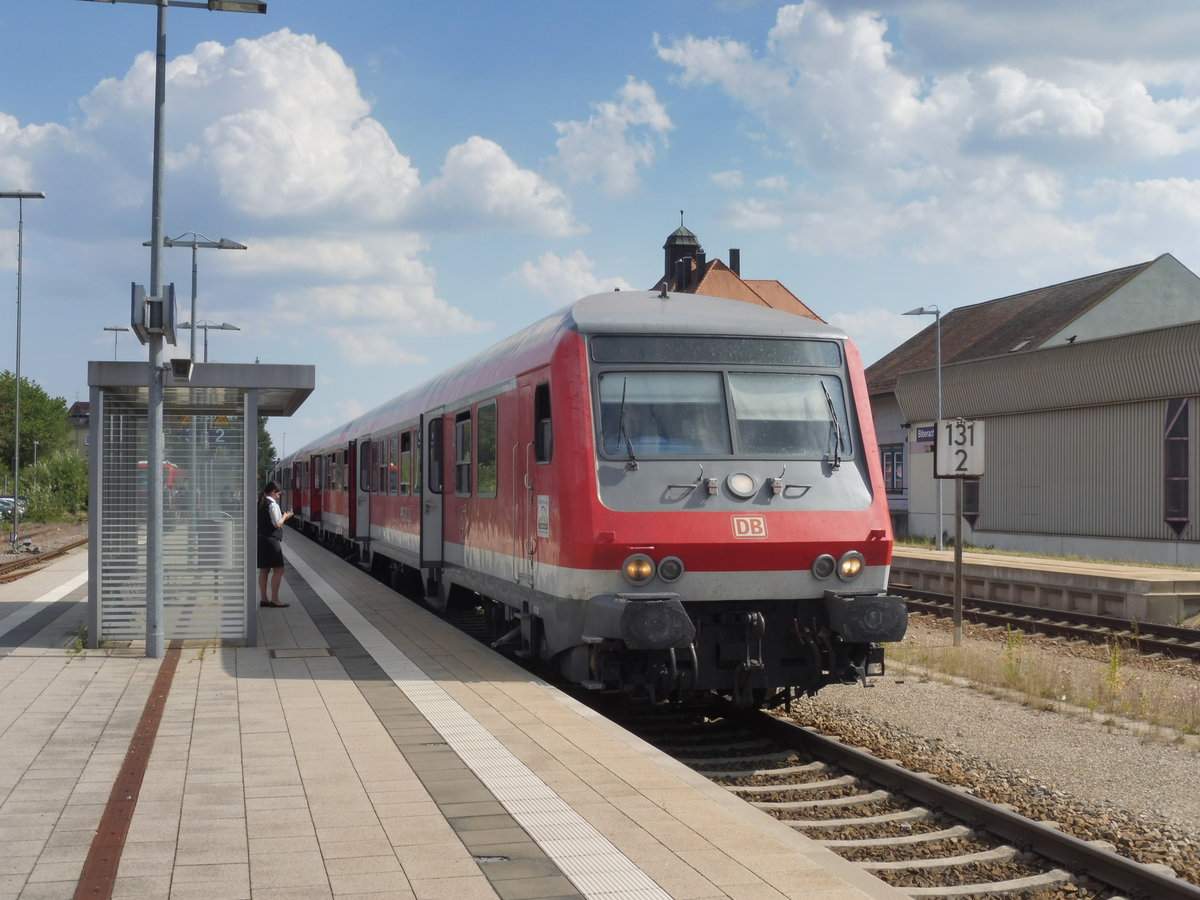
[[687, 269]]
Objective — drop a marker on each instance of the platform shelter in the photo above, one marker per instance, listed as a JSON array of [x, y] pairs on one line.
[[210, 485]]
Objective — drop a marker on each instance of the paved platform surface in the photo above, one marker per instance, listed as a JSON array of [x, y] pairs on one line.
[[1125, 571], [367, 749]]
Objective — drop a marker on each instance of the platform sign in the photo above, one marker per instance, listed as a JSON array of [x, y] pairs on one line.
[[958, 449]]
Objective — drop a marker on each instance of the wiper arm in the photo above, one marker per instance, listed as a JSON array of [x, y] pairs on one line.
[[836, 422], [621, 432]]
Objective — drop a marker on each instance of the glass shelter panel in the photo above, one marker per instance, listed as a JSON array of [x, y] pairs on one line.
[[204, 531]]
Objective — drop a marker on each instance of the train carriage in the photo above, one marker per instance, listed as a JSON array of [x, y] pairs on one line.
[[665, 494]]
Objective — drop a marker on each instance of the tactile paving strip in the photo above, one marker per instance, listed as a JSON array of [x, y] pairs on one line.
[[564, 835]]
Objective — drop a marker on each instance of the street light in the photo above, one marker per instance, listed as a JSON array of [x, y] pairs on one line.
[[115, 329], [932, 310], [20, 197], [195, 243], [154, 401], [204, 325], [35, 446]]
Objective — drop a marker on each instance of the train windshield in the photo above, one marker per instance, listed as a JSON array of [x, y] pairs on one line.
[[795, 414], [663, 414], [673, 413]]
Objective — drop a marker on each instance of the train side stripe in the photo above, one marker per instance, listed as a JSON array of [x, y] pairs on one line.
[[528, 799]]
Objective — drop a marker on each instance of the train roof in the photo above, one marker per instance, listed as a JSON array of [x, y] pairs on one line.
[[631, 312], [615, 312]]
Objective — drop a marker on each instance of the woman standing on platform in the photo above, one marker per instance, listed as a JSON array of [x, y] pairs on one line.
[[270, 544]]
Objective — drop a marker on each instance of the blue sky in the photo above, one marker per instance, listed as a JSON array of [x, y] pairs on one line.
[[415, 181]]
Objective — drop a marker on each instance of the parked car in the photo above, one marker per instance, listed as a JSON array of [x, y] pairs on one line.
[[6, 507]]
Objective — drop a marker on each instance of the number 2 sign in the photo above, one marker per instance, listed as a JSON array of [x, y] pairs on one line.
[[958, 449]]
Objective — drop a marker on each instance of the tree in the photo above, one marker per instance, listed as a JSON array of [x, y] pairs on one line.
[[43, 419], [57, 486], [266, 452]]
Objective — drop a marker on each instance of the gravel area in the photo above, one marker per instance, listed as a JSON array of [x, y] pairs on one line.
[[1099, 778]]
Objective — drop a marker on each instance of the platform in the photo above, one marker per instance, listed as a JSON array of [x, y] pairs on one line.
[[368, 749], [1143, 593]]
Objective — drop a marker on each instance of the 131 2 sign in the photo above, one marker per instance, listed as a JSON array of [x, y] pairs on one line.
[[958, 449]]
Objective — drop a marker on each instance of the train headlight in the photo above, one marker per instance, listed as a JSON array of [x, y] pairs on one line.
[[741, 485], [638, 569], [824, 565], [851, 565], [670, 569]]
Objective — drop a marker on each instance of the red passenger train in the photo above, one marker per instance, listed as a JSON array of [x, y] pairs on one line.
[[665, 494]]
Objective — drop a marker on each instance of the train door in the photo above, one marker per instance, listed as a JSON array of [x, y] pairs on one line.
[[431, 489], [360, 494], [524, 512]]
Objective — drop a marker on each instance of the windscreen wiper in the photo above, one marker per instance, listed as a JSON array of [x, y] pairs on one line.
[[836, 422], [621, 432]]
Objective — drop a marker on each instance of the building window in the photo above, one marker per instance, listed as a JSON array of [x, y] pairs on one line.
[[1176, 453], [892, 458], [462, 454], [486, 446]]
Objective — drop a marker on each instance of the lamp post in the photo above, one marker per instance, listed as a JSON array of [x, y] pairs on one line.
[[196, 243], [204, 325], [933, 310], [115, 329], [35, 446], [20, 197], [154, 403]]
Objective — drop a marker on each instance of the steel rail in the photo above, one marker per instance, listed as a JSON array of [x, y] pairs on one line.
[[1169, 640], [1078, 855]]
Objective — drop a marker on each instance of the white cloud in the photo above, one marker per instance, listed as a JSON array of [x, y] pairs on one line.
[[616, 140], [565, 279], [876, 332], [963, 161], [369, 347], [482, 189], [731, 180]]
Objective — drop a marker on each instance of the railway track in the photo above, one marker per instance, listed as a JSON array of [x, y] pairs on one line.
[[1142, 637], [11, 570], [921, 836]]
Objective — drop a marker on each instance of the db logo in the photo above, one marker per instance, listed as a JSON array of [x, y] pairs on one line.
[[749, 527]]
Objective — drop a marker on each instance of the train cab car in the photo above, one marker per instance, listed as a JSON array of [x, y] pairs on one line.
[[664, 494]]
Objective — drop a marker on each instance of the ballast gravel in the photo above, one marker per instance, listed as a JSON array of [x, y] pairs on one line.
[[1098, 778]]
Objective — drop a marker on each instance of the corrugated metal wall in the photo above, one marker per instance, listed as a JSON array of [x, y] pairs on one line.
[[1094, 471]]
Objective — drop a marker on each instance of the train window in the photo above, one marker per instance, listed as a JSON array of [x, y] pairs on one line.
[[435, 455], [364, 466], [795, 414], [331, 472], [406, 463], [663, 414], [715, 350], [393, 465], [317, 475], [486, 445], [543, 433], [381, 465], [462, 454]]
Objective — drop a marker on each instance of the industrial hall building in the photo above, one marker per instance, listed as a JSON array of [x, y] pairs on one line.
[[1088, 394]]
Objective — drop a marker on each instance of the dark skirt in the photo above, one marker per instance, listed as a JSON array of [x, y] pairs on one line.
[[270, 552]]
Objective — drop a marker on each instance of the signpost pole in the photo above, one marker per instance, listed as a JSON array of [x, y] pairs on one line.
[[958, 568]]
